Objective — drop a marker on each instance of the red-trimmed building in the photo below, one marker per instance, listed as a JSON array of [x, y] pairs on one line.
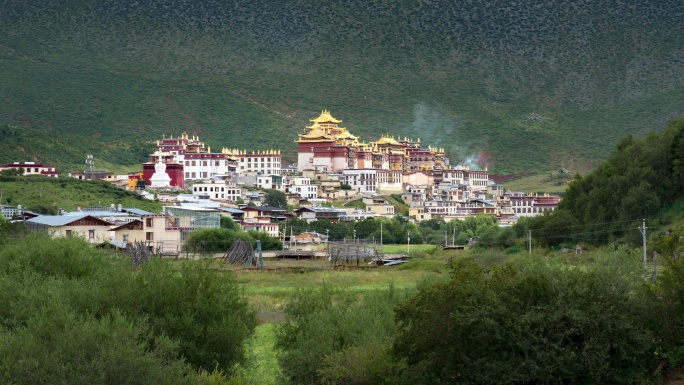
[[31, 168]]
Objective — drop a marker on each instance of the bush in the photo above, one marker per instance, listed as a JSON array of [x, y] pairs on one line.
[[326, 328], [65, 304], [543, 324], [57, 346]]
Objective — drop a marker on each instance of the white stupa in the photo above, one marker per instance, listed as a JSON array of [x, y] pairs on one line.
[[160, 178]]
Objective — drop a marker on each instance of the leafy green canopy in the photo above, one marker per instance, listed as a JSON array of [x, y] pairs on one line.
[[220, 240], [74, 314], [641, 178], [544, 324], [334, 336], [395, 230]]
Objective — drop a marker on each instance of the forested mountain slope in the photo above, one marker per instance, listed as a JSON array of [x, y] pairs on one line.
[[516, 86]]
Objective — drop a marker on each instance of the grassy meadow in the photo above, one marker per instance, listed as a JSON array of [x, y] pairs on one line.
[[551, 183], [47, 195], [269, 291]]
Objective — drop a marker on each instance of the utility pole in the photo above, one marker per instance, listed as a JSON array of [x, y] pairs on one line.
[[446, 239], [380, 233], [408, 243], [642, 229], [529, 240]]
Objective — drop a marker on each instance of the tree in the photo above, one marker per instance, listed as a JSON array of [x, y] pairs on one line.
[[58, 346], [544, 324], [229, 223], [13, 172], [275, 198], [336, 336], [75, 314]]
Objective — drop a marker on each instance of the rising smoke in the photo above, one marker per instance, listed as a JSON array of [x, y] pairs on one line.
[[437, 130]]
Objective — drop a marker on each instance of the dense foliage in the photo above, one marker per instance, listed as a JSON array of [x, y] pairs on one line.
[[75, 314], [589, 321], [333, 336], [395, 230], [642, 178], [546, 324], [275, 198], [220, 240]]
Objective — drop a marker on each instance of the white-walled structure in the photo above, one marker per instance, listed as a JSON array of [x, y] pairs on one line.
[[302, 186], [362, 181]]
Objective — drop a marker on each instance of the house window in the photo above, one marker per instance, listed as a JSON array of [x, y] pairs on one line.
[[68, 233], [91, 234], [149, 236], [125, 238], [148, 222]]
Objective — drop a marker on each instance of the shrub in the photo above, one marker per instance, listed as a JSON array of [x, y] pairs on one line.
[[543, 324], [327, 327]]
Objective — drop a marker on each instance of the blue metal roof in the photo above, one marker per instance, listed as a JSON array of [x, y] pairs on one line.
[[60, 220], [138, 211], [231, 210]]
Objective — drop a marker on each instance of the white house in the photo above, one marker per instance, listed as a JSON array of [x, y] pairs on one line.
[[363, 181], [302, 186]]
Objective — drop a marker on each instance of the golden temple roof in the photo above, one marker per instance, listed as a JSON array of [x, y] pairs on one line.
[[316, 133], [325, 117], [388, 140]]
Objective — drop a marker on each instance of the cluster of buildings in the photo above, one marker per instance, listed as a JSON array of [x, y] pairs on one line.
[[332, 165], [335, 165]]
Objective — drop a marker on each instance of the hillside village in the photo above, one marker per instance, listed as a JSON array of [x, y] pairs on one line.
[[334, 167]]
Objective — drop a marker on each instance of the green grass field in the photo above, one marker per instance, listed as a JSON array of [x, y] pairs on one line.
[[552, 183], [269, 291], [48, 195]]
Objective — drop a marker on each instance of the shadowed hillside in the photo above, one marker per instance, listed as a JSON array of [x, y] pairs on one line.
[[518, 86]]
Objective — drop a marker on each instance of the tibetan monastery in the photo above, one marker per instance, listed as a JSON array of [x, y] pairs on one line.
[[327, 147]]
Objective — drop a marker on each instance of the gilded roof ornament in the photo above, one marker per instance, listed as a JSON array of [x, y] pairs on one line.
[[325, 117]]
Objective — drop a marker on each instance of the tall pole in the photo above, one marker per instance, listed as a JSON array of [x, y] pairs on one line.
[[453, 239], [408, 243], [446, 239], [642, 229], [529, 240], [381, 233]]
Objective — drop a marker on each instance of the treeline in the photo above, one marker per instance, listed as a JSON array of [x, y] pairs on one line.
[[75, 314], [642, 178], [395, 230], [533, 322], [221, 239]]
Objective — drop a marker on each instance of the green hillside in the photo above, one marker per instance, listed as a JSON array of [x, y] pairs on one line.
[[48, 195], [519, 87]]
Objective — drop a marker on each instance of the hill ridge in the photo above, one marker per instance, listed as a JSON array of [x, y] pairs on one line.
[[246, 74]]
